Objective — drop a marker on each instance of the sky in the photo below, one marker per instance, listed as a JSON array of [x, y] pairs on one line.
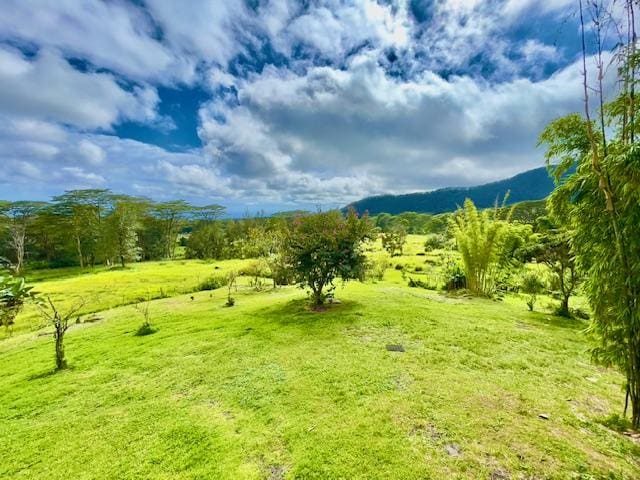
[[277, 105]]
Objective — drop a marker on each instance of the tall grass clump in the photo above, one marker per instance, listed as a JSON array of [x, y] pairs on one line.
[[479, 238]]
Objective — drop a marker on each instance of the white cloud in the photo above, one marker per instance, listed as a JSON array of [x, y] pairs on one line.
[[113, 35], [48, 88], [333, 29], [304, 135], [202, 29], [340, 100], [90, 153]]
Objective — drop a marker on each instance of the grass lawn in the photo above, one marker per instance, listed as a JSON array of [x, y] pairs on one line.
[[270, 390], [102, 288]]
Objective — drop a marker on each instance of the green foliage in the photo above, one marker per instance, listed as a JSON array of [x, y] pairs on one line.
[[454, 276], [435, 241], [394, 239], [206, 241], [532, 285], [554, 250], [418, 283], [325, 246], [213, 282], [14, 293], [377, 266], [232, 282], [600, 205], [480, 240]]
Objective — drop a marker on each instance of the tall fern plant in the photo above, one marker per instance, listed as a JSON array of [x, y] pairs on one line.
[[479, 236]]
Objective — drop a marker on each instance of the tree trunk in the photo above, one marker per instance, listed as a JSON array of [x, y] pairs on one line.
[[79, 250], [564, 307], [61, 362], [633, 384]]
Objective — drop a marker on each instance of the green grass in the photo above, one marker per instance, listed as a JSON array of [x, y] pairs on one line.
[[103, 288], [268, 389]]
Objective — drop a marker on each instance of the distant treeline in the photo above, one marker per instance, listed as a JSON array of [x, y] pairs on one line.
[[97, 227], [424, 223], [90, 227]]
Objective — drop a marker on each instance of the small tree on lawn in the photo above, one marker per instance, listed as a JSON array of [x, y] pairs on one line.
[[325, 246], [554, 249], [60, 322], [394, 239], [143, 309], [533, 286]]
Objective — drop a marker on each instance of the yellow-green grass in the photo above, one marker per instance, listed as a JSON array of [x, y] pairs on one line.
[[270, 390], [101, 288]]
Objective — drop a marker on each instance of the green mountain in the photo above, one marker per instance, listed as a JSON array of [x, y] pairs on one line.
[[531, 185]]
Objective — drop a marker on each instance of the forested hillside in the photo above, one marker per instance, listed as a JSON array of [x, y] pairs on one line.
[[531, 185]]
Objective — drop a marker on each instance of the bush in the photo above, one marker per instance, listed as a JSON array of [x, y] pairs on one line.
[[398, 266], [434, 242], [420, 284], [531, 284], [144, 329], [455, 278], [418, 268], [377, 266], [213, 282]]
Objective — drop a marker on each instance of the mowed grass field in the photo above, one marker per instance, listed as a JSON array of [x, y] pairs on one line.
[[268, 389]]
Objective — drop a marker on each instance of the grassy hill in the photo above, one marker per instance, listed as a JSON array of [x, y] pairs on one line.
[[270, 390], [532, 185]]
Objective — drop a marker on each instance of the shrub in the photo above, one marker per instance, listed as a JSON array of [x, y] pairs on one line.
[[213, 282], [376, 266], [417, 283], [532, 285], [394, 239], [325, 246], [479, 236], [434, 242], [418, 268], [454, 275]]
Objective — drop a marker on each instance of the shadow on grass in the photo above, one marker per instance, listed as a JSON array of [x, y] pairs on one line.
[[550, 320], [46, 374], [299, 312]]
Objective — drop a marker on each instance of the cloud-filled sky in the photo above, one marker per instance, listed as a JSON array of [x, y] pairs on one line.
[[278, 104]]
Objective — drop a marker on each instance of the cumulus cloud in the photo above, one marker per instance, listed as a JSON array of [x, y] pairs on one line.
[[113, 35], [369, 131], [47, 87], [309, 103]]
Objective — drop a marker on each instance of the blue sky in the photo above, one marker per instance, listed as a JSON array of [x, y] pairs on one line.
[[274, 105]]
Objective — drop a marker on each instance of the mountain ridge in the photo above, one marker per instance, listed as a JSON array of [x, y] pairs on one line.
[[535, 184]]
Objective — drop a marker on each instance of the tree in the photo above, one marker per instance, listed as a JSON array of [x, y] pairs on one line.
[[14, 293], [170, 215], [601, 200], [324, 246], [19, 216], [479, 237], [554, 250], [60, 323], [206, 241], [532, 285], [208, 213], [84, 210], [394, 239], [122, 226]]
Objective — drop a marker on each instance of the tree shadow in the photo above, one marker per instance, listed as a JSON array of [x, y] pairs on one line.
[[299, 312], [41, 375], [551, 320]]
